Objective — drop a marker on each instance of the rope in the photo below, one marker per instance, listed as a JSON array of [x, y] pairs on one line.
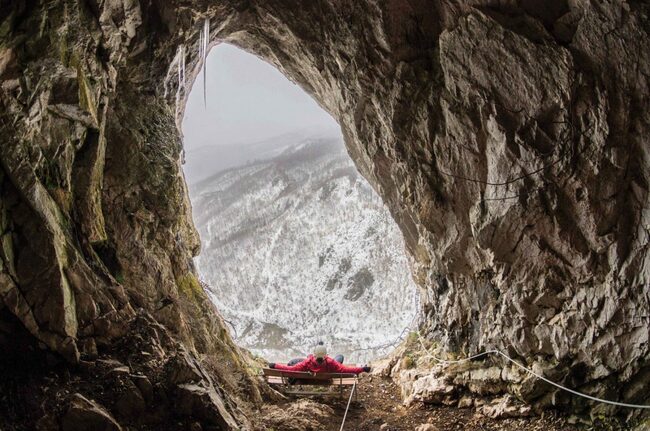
[[529, 371], [354, 386]]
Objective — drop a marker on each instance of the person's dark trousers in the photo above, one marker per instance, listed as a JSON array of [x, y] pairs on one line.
[[337, 358]]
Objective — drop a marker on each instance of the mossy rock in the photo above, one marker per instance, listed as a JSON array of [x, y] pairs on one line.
[[87, 98], [189, 286], [408, 362]]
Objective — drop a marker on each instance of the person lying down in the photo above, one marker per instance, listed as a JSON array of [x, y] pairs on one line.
[[319, 362]]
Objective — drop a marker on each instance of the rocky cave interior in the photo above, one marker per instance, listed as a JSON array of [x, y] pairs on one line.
[[509, 139]]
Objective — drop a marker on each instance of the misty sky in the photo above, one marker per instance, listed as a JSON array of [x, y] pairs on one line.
[[248, 100]]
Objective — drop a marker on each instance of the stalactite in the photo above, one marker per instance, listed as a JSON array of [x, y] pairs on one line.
[[181, 67], [204, 52]]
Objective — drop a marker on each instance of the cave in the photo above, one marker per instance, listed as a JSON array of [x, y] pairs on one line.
[[509, 139]]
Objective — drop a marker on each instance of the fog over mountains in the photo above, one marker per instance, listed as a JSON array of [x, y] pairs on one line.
[[296, 247], [203, 161]]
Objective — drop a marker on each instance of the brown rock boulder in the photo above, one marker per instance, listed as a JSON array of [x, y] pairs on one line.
[[204, 404], [131, 402], [87, 415]]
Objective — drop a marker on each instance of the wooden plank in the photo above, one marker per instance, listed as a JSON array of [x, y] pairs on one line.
[[305, 375], [337, 382], [323, 394], [333, 376], [304, 382], [281, 373]]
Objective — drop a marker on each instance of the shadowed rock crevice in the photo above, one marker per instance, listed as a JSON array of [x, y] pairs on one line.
[[508, 139]]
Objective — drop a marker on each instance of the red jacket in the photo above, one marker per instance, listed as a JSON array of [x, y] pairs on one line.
[[329, 365]]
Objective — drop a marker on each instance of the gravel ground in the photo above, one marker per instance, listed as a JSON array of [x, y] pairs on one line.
[[379, 407]]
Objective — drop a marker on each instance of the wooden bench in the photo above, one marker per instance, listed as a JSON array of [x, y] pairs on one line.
[[292, 382]]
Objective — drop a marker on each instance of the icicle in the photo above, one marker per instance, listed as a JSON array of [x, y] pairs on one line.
[[201, 46], [182, 66], [206, 41], [178, 87]]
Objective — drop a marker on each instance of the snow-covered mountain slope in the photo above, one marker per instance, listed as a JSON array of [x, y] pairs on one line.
[[298, 248]]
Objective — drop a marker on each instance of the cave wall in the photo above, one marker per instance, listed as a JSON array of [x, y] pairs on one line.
[[508, 138], [96, 214], [96, 230], [510, 141]]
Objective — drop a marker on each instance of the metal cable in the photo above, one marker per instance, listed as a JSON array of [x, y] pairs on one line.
[[539, 376]]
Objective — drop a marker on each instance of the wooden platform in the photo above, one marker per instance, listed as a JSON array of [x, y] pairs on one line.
[[293, 382]]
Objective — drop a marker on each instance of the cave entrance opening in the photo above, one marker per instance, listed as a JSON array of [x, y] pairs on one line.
[[296, 246]]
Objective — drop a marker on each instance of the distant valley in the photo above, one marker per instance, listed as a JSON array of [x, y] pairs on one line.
[[298, 248]]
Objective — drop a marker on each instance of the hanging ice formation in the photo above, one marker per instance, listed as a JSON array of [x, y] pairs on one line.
[[180, 62], [181, 68], [205, 40]]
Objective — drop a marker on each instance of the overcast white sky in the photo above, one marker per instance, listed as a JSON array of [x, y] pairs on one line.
[[248, 100]]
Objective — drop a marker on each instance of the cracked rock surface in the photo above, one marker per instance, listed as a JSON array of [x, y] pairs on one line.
[[508, 138], [510, 141]]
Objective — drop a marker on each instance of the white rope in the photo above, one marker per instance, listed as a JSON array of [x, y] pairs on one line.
[[539, 376], [354, 386]]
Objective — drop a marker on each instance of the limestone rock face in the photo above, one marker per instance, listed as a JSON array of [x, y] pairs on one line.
[[510, 141], [508, 138]]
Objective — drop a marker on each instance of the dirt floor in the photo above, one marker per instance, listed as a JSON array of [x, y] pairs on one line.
[[379, 407], [380, 403]]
